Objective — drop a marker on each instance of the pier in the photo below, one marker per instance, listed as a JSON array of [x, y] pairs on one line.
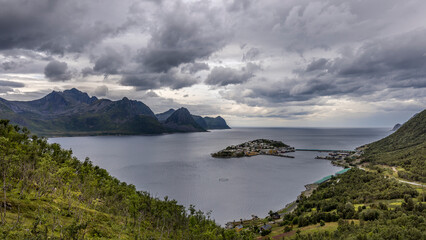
[[324, 150]]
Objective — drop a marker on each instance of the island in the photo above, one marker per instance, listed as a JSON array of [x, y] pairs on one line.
[[255, 147]]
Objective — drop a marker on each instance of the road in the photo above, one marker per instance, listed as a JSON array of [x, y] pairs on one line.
[[403, 181]]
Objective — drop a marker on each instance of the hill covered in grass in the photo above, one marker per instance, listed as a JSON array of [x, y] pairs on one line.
[[49, 194], [405, 149]]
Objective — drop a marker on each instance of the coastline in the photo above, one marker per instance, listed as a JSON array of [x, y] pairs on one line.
[[291, 206]]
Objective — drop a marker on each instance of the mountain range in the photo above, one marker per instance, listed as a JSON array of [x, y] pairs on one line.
[[72, 112]]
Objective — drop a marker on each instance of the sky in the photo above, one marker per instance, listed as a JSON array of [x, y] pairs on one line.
[[269, 63]]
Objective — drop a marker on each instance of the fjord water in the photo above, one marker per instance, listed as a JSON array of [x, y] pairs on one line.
[[180, 166]]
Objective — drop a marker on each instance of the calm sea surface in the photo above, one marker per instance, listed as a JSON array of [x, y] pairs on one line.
[[180, 165]]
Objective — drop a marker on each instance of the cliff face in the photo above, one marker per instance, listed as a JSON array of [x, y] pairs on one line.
[[216, 123], [182, 120]]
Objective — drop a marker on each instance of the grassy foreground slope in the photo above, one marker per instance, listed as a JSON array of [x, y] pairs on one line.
[[406, 148], [49, 194]]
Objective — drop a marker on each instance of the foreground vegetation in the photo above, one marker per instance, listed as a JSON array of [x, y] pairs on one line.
[[47, 193], [382, 208], [355, 205]]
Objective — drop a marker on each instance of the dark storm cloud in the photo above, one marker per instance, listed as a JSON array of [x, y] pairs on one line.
[[57, 71], [55, 26], [87, 71], [8, 86], [394, 60], [147, 81], [317, 64], [9, 65], [182, 36], [376, 66], [222, 76], [22, 61], [195, 67], [302, 51], [109, 63], [5, 83], [397, 62]]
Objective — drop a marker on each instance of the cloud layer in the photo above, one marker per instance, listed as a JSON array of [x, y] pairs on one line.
[[291, 60]]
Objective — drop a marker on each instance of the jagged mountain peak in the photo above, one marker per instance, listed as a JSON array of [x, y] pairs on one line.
[[180, 116], [76, 95], [182, 120], [73, 90], [132, 107], [162, 117], [50, 102]]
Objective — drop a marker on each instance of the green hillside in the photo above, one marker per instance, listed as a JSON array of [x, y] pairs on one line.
[[49, 194], [406, 149], [358, 205]]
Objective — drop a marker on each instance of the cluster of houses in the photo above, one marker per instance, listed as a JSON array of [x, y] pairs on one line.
[[335, 156], [255, 147]]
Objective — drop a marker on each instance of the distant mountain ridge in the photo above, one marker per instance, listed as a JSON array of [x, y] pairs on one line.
[[162, 117], [73, 112], [204, 122], [181, 120], [216, 123]]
